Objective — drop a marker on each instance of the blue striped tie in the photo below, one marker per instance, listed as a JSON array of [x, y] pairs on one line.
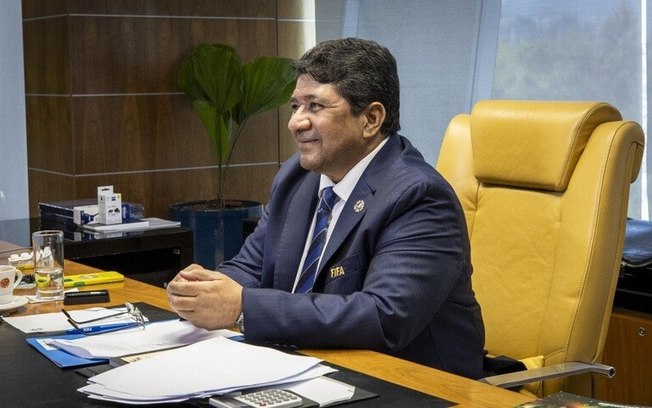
[[309, 273]]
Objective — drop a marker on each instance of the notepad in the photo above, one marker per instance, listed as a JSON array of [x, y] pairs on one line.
[[124, 226], [92, 279]]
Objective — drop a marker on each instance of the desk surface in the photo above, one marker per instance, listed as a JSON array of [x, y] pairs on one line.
[[463, 391]]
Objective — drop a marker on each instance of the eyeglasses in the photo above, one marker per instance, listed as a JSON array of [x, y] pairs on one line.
[[134, 314]]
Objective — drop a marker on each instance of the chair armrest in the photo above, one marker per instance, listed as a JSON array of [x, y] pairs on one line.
[[546, 373]]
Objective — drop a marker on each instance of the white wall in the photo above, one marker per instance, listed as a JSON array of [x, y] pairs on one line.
[[13, 141]]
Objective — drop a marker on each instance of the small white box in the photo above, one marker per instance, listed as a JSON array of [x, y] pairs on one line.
[[84, 214], [103, 190], [110, 208]]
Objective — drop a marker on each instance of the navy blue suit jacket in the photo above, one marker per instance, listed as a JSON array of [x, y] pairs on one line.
[[395, 276]]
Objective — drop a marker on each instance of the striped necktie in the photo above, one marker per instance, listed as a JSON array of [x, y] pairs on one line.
[[309, 272]]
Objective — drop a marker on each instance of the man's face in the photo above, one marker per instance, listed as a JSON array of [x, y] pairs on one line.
[[329, 137]]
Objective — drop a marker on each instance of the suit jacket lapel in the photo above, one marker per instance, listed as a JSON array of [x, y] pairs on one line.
[[363, 192], [348, 220], [295, 229]]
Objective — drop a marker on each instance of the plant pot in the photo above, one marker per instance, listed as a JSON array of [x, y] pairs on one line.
[[217, 232]]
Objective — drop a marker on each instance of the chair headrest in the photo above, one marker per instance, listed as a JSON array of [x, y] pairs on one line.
[[533, 144]]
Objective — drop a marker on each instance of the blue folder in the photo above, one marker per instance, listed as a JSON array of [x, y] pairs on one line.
[[62, 358]]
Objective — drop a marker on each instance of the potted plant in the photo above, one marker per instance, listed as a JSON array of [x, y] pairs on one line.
[[225, 94]]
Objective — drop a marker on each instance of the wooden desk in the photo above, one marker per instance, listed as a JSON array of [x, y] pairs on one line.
[[465, 392]]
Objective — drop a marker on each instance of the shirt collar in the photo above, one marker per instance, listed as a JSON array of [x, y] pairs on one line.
[[345, 187]]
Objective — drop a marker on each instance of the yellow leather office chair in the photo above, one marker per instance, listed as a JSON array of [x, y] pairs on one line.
[[544, 187]]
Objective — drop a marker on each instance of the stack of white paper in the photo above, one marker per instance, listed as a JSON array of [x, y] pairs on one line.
[[214, 366]]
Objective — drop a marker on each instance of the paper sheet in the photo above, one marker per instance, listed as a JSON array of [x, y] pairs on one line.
[[57, 322], [155, 336]]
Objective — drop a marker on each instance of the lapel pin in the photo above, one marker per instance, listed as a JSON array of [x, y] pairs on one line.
[[359, 205], [337, 271]]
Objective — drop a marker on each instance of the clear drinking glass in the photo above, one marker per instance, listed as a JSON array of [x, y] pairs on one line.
[[48, 264]]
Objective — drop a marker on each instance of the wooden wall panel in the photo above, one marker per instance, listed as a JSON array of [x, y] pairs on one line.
[[287, 142], [157, 190], [144, 55], [49, 187], [101, 87], [40, 8], [45, 49], [259, 140], [137, 133], [153, 132], [199, 8], [49, 145], [251, 182], [296, 35]]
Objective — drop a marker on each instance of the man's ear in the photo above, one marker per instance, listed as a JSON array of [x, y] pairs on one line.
[[374, 117]]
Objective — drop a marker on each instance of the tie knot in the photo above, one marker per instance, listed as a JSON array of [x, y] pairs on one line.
[[328, 198]]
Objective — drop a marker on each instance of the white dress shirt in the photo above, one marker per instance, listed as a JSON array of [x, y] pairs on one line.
[[343, 190]]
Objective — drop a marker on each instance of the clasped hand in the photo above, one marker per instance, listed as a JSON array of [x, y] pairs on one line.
[[205, 298]]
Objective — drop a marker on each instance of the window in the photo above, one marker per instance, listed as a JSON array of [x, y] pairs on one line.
[[586, 50], [451, 53]]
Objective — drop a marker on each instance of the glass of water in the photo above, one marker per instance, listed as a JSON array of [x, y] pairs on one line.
[[48, 264]]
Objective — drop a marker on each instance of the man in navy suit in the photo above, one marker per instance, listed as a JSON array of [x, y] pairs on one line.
[[394, 272]]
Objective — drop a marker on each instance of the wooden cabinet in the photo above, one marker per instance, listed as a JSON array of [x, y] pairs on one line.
[[629, 349]]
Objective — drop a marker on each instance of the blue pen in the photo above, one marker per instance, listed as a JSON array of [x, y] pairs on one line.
[[103, 328]]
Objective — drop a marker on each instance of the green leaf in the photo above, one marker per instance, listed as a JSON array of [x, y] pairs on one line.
[[218, 71], [225, 94], [216, 125], [268, 83], [188, 83]]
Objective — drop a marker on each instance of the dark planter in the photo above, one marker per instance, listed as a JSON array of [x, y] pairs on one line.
[[217, 232]]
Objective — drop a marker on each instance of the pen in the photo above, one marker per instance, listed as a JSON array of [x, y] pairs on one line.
[[103, 328]]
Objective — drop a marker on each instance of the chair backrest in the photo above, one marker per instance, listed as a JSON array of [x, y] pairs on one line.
[[544, 186]]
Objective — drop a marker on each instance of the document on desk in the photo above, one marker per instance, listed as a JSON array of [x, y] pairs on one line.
[[209, 367], [58, 322], [155, 336]]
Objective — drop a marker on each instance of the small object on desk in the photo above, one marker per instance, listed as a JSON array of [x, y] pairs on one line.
[[28, 282], [48, 264], [87, 296], [22, 261], [28, 279], [102, 328], [15, 303], [10, 277], [92, 278], [272, 398]]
